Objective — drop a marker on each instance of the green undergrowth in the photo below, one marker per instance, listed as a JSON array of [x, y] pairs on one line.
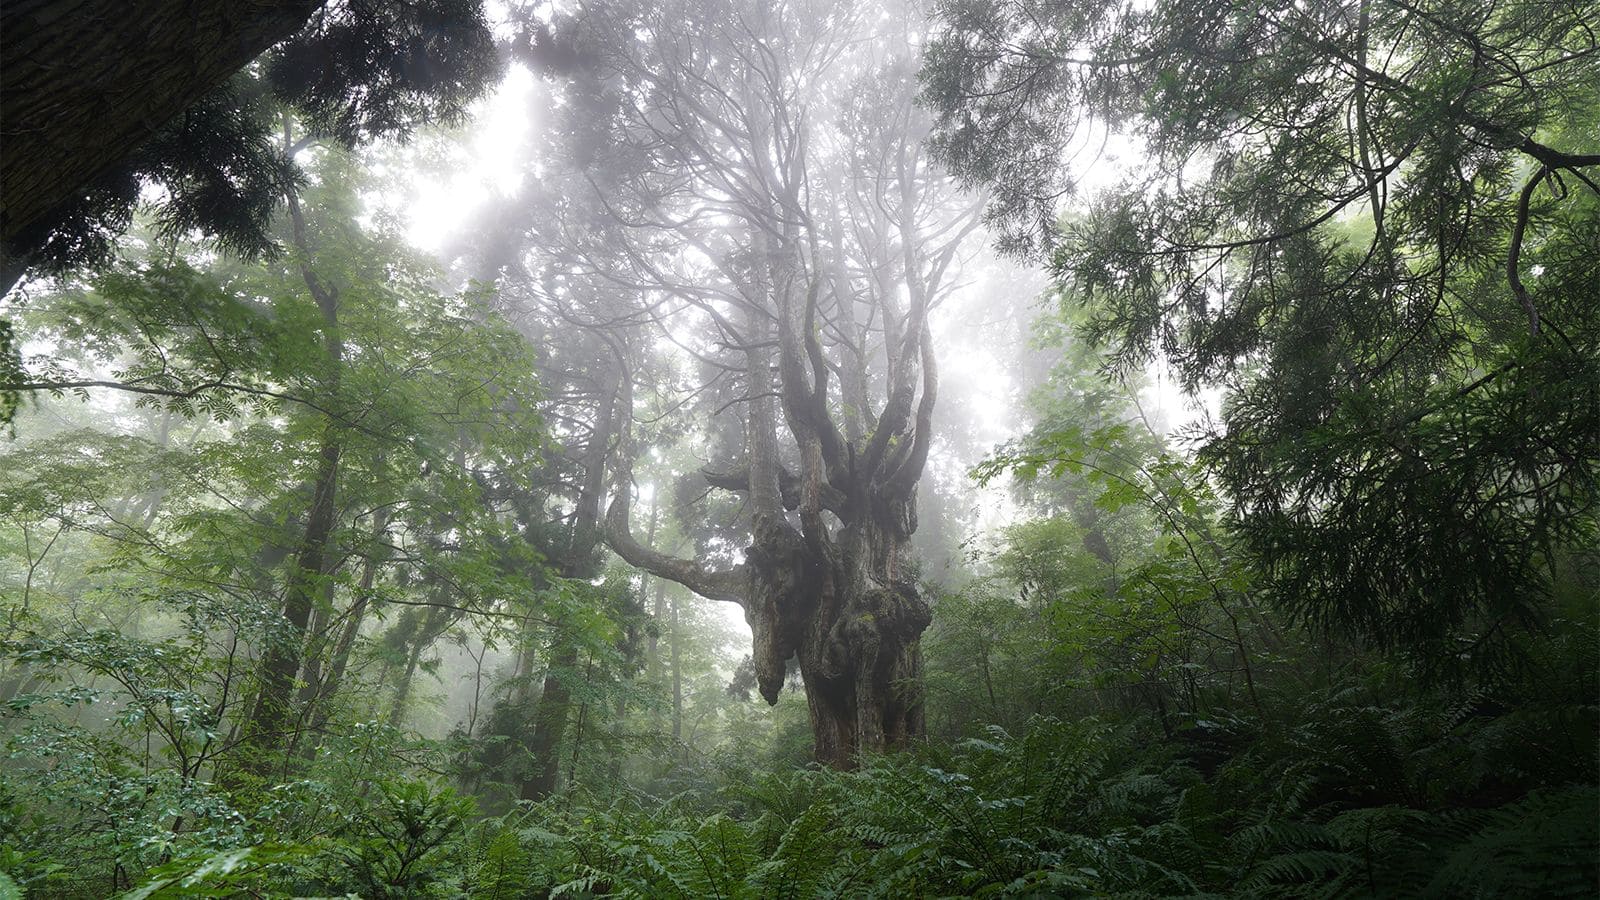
[[1366, 800], [1354, 792]]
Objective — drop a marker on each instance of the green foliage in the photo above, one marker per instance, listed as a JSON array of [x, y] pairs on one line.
[[402, 844], [10, 372], [1121, 699], [230, 873], [1161, 612], [143, 573], [1374, 225], [1356, 792], [178, 335], [406, 842], [358, 72]]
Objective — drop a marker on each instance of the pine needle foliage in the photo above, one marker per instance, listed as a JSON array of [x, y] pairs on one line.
[[1373, 225]]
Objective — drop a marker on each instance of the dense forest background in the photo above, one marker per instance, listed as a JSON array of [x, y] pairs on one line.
[[710, 448]]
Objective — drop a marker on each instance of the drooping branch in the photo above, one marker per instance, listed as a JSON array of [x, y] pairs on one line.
[[1514, 255], [189, 392], [728, 585]]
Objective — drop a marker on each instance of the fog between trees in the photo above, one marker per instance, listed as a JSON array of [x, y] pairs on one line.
[[710, 448]]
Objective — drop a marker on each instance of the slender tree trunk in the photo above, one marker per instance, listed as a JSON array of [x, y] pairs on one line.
[[550, 725], [555, 703], [402, 693], [652, 648], [316, 647], [322, 698], [677, 677], [428, 630], [280, 662], [583, 720], [315, 651]]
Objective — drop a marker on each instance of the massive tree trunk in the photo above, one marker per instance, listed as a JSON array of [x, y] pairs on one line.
[[860, 652], [86, 81], [842, 606], [853, 623], [838, 599]]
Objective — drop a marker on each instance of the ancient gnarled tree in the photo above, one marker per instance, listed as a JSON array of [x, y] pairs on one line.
[[770, 213]]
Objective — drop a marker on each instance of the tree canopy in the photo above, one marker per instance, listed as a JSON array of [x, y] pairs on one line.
[[1374, 224]]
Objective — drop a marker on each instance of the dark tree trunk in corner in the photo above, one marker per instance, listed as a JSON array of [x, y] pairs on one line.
[[84, 82]]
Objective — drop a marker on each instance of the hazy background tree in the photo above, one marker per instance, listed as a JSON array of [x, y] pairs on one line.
[[720, 168]]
